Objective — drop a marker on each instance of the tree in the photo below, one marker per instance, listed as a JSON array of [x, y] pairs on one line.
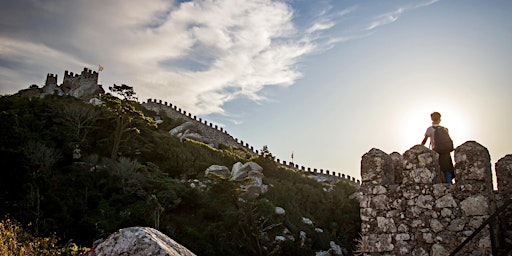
[[78, 119], [43, 158], [265, 152], [125, 115], [124, 90]]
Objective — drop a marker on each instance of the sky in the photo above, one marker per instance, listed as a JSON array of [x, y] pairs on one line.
[[324, 80]]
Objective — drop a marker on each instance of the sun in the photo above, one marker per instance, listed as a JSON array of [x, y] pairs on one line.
[[414, 123]]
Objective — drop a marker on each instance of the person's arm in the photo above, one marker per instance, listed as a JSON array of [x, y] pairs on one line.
[[424, 140]]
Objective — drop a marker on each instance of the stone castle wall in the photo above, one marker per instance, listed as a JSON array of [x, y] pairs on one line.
[[405, 210], [504, 173], [208, 130], [83, 86], [219, 135]]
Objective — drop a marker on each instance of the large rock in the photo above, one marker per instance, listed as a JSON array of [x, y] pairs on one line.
[[220, 170], [190, 130], [139, 241], [250, 172]]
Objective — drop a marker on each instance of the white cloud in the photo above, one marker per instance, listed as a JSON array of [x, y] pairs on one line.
[[319, 26], [386, 19], [198, 54]]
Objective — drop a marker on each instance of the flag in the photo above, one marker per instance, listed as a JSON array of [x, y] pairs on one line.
[[100, 68]]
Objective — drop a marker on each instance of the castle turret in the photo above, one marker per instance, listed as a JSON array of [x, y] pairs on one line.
[[51, 79], [50, 86]]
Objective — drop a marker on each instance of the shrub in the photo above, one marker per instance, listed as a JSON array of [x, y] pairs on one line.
[[15, 240]]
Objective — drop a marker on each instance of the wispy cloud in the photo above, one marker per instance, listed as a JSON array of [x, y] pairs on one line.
[[322, 25], [392, 16], [197, 54], [386, 19]]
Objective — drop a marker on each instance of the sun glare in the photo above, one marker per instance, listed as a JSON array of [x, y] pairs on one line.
[[415, 123]]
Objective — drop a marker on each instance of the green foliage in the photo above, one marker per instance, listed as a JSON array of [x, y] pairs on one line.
[[153, 179], [127, 120]]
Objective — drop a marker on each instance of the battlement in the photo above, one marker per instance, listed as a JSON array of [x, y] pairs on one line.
[[72, 80], [83, 86], [406, 210], [51, 79], [221, 136]]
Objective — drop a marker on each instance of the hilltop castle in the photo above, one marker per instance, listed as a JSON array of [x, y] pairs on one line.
[[83, 86]]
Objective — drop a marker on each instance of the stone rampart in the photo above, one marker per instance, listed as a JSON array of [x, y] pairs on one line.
[[406, 210], [218, 135], [83, 86], [213, 132], [504, 173]]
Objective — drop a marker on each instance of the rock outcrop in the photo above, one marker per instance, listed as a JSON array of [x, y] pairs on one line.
[[250, 172], [139, 241], [189, 130]]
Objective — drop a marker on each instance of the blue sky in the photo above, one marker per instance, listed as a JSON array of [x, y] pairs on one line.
[[327, 80]]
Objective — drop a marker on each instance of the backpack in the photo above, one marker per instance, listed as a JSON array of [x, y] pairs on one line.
[[442, 142]]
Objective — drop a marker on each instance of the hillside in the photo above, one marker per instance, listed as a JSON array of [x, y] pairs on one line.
[[83, 171]]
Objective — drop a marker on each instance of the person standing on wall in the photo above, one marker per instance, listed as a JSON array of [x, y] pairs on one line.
[[441, 142]]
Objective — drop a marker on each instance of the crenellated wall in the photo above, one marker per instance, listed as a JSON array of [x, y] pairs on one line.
[[73, 81], [83, 86], [218, 135], [405, 210], [504, 173]]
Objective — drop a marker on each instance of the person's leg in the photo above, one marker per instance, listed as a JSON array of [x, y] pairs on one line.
[[448, 177], [445, 162]]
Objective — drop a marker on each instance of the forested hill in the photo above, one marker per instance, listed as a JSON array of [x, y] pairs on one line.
[[83, 171]]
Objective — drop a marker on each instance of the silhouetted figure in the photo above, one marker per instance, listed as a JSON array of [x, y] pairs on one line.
[[441, 142]]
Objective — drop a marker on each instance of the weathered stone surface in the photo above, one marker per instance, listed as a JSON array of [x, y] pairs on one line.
[[402, 237], [446, 201], [242, 171], [379, 190], [421, 166], [504, 173], [218, 170], [398, 166], [419, 251], [425, 201], [377, 168], [139, 241], [280, 211], [472, 163], [438, 250], [475, 205], [380, 202], [386, 225], [436, 225], [251, 172], [456, 225], [421, 215], [445, 212], [380, 243]]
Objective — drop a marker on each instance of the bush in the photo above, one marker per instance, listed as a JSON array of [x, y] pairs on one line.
[[15, 240]]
